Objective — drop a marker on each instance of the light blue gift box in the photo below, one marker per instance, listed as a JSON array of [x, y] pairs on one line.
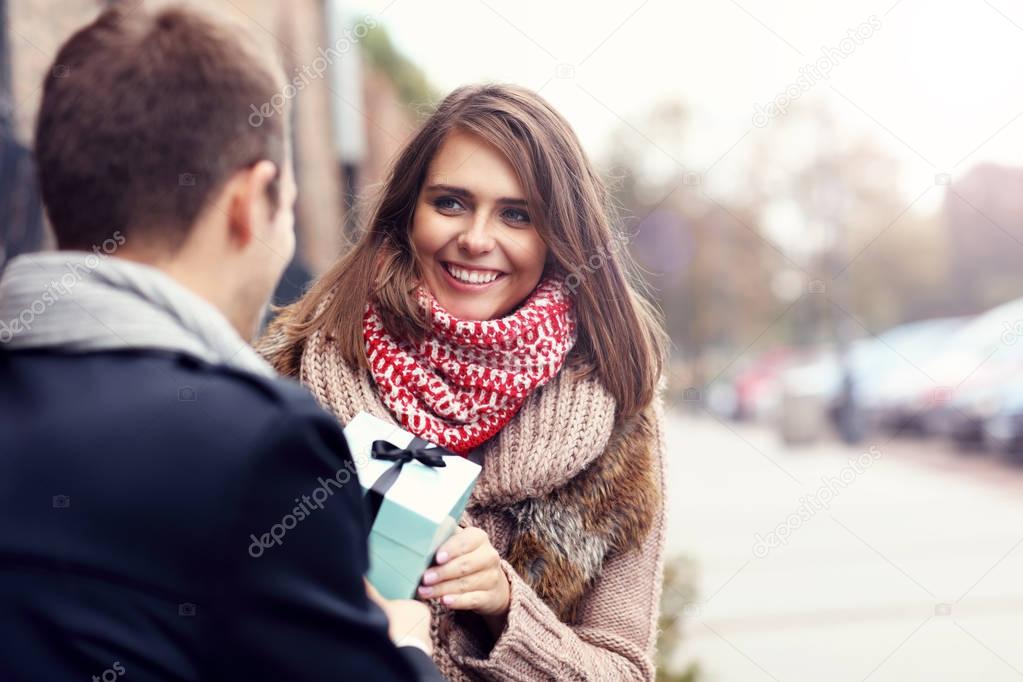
[[418, 513]]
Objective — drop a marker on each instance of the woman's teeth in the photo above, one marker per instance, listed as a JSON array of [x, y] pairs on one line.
[[472, 276]]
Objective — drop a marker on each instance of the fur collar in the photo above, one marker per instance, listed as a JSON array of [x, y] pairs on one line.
[[560, 540]]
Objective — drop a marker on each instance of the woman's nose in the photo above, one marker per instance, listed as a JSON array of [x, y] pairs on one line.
[[476, 238]]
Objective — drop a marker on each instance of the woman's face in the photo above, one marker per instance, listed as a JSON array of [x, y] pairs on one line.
[[476, 246]]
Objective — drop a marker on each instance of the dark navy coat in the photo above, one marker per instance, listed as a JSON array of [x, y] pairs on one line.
[[164, 519]]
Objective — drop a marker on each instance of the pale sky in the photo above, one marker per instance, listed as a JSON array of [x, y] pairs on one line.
[[937, 84]]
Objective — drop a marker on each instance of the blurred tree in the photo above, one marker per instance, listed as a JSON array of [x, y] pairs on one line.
[[816, 205], [678, 597], [876, 257], [704, 258], [983, 220], [413, 87]]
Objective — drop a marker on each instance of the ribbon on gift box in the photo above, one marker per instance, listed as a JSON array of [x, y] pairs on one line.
[[418, 450]]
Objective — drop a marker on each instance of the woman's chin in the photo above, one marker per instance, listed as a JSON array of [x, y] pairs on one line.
[[470, 310]]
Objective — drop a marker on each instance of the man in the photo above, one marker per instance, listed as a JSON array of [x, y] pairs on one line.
[[169, 509]]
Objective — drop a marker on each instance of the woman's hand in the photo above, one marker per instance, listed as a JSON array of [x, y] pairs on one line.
[[468, 577]]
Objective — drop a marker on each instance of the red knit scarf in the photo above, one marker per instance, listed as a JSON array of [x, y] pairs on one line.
[[468, 378]]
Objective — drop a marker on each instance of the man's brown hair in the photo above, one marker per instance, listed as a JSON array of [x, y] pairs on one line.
[[144, 117]]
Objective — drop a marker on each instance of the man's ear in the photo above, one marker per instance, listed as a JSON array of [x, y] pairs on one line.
[[250, 201]]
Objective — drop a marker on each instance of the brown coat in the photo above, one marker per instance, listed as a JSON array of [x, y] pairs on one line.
[[575, 507]]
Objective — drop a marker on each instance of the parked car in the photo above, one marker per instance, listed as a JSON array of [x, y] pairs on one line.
[[964, 415], [896, 372], [876, 373], [807, 387], [1003, 431], [756, 384], [984, 345]]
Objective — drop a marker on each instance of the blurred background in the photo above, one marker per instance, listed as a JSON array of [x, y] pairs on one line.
[[827, 201]]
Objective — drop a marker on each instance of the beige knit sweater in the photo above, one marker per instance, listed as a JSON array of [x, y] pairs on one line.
[[560, 432]]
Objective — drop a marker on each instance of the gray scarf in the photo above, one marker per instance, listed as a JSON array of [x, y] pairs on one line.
[[76, 301]]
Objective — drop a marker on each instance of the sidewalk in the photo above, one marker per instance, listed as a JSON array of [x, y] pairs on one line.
[[912, 570]]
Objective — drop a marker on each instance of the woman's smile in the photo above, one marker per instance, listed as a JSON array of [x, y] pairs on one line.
[[470, 279]]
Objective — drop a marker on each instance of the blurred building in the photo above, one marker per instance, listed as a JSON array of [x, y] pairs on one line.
[[355, 101], [983, 221]]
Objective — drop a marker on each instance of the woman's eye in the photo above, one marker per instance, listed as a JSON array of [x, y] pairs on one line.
[[447, 204], [514, 215]]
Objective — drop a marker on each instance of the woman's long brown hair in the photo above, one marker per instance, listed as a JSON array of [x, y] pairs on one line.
[[621, 337]]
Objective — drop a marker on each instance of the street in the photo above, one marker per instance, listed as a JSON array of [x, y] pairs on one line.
[[890, 561]]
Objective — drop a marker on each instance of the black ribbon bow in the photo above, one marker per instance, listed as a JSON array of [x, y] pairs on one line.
[[416, 450]]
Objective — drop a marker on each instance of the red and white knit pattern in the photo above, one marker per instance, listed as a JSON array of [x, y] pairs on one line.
[[460, 385]]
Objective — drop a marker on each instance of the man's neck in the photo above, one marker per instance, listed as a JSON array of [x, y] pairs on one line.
[[199, 282]]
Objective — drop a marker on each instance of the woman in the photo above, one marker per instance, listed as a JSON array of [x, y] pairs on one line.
[[487, 308]]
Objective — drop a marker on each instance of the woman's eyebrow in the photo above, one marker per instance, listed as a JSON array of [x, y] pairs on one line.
[[451, 189], [466, 194]]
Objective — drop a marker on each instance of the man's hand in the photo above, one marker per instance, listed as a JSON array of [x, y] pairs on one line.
[[408, 620]]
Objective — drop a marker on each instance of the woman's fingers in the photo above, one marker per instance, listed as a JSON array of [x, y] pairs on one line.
[[462, 542], [479, 559], [482, 580], [468, 601]]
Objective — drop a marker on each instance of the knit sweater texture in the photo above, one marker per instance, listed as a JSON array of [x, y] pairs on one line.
[[572, 502]]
